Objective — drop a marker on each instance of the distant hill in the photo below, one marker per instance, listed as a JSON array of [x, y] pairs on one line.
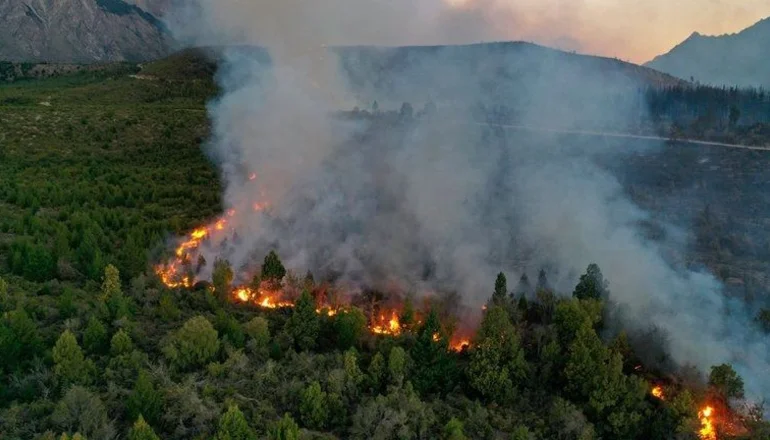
[[79, 31], [459, 68], [734, 60]]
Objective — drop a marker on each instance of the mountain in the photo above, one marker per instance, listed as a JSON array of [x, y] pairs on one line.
[[80, 31], [734, 60], [154, 7]]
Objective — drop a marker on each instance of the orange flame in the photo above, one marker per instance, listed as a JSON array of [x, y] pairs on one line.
[[391, 327], [173, 275], [461, 345], [707, 431], [657, 391]]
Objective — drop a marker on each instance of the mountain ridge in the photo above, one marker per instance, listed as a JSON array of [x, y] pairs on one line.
[[734, 59], [80, 31]]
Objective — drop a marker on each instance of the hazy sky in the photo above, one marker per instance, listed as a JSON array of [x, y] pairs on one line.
[[635, 30]]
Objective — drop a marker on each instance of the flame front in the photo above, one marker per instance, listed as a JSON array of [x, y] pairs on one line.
[[391, 327], [707, 431], [180, 273], [657, 391]]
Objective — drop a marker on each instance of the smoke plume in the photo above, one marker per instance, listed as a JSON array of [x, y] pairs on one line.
[[437, 202]]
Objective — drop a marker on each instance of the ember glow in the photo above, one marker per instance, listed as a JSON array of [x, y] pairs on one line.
[[707, 431], [387, 326], [178, 273]]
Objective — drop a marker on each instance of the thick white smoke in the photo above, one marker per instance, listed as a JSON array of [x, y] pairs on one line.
[[435, 202]]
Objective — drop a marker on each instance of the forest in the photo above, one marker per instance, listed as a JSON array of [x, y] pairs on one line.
[[99, 170]]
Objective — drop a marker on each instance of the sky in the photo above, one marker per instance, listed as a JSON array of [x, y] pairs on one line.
[[633, 30]]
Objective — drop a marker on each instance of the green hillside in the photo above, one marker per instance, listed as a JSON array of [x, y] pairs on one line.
[[100, 168]]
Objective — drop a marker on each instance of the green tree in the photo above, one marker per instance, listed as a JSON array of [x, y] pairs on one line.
[[167, 309], [70, 365], [313, 407], [497, 361], [230, 329], [196, 343], [233, 426], [521, 433], [4, 296], [304, 325], [592, 284], [20, 340], [121, 343], [453, 430], [258, 332], [407, 318], [112, 293], [272, 268], [594, 375], [350, 325], [726, 381], [95, 336], [376, 372], [222, 278], [81, 410], [142, 431], [111, 282], [284, 429], [397, 361], [144, 399], [500, 296], [434, 370]]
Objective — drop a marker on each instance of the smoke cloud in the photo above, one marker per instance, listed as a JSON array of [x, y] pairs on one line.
[[437, 202]]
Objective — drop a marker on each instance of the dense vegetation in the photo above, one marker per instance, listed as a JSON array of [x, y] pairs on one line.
[[97, 169]]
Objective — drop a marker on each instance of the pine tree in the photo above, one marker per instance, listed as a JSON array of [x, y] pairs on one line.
[[112, 293], [500, 295], [304, 325], [121, 343], [454, 430], [350, 325], [284, 429], [142, 431], [222, 279], [144, 399], [592, 285], [434, 370], [196, 343], [497, 361], [272, 268], [313, 407], [233, 426], [70, 365], [95, 336]]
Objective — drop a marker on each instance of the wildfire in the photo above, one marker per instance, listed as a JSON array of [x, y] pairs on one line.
[[391, 327], [460, 345], [657, 391], [180, 273], [707, 431]]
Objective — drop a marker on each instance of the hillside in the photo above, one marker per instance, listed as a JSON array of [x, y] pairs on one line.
[[487, 72], [79, 31], [103, 168], [734, 60]]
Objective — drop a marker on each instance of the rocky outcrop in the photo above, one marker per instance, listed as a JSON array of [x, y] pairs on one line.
[[81, 31]]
